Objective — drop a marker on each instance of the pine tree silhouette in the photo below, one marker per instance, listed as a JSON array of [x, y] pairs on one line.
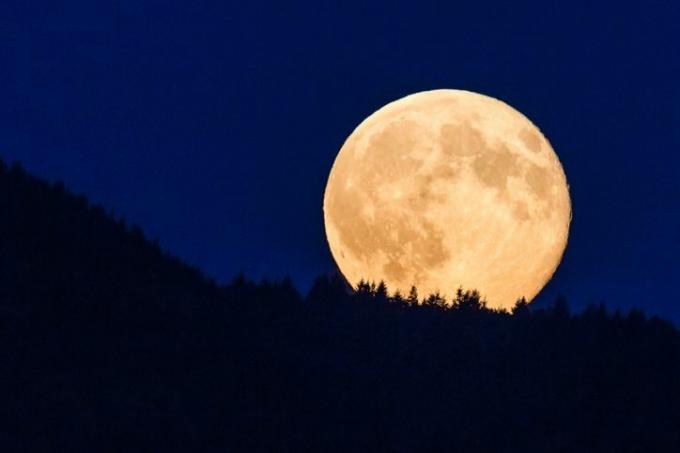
[[412, 298]]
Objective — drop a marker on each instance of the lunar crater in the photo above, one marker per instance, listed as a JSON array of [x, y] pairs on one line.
[[531, 140]]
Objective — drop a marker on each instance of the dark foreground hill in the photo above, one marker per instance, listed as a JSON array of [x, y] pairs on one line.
[[108, 344]]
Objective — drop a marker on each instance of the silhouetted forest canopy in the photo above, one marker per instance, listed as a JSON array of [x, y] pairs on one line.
[[110, 344]]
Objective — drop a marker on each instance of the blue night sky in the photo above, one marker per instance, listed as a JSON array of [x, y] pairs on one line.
[[214, 124]]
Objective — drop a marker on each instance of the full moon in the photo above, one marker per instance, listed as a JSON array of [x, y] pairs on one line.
[[445, 189]]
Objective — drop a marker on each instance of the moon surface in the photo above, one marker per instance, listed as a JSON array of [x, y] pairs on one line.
[[445, 189]]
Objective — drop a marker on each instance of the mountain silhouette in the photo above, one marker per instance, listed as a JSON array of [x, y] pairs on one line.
[[108, 343]]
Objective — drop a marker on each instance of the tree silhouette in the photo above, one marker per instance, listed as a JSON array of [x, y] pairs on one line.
[[469, 301], [521, 307], [381, 293], [398, 298], [435, 300], [412, 298]]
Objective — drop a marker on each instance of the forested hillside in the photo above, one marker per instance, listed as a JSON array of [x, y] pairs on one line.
[[107, 343]]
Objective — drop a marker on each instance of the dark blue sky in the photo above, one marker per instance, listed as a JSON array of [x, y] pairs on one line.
[[214, 124]]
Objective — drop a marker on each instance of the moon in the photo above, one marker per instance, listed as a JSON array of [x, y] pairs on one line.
[[445, 189]]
